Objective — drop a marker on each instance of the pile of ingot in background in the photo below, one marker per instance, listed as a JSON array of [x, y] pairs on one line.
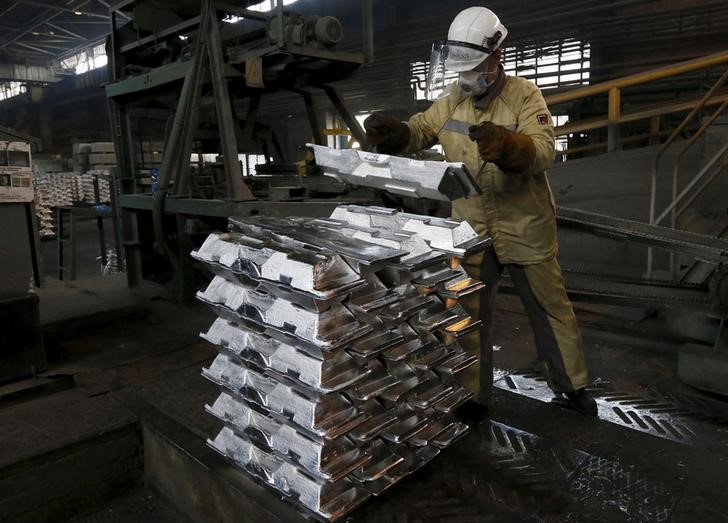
[[338, 349], [56, 189]]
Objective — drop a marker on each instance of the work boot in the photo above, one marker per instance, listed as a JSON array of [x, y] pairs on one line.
[[581, 401]]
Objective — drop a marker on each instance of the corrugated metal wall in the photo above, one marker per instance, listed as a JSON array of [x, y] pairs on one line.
[[625, 35]]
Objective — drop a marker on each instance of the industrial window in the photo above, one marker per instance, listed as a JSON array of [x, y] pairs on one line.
[[263, 7], [562, 142], [18, 159], [269, 5], [560, 64], [91, 58], [250, 161], [10, 89]]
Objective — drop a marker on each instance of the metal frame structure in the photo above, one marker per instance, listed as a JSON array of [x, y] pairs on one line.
[[615, 114], [231, 70], [52, 29]]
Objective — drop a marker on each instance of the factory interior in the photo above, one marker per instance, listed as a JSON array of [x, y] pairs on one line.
[[259, 257]]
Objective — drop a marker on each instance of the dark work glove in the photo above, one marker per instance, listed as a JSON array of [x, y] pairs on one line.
[[511, 151], [387, 133]]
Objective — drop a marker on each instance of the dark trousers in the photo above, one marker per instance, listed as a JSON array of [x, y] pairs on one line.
[[542, 292]]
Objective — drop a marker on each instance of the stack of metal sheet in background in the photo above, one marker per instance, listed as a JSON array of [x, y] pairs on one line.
[[338, 349]]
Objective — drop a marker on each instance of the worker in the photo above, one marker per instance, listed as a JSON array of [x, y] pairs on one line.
[[500, 128]]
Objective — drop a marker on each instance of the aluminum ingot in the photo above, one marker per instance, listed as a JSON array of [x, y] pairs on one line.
[[325, 459], [328, 329], [302, 234], [316, 272], [447, 323], [329, 372], [419, 253], [447, 283], [450, 236], [326, 415], [444, 181], [327, 499]]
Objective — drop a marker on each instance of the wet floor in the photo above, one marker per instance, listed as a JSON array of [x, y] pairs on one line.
[[658, 453]]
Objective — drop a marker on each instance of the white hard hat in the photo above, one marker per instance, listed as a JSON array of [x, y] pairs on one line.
[[474, 33]]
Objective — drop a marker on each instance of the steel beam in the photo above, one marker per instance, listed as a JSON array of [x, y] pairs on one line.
[[226, 208], [8, 8], [313, 120], [356, 129], [156, 37], [27, 73], [237, 190], [705, 248], [33, 48], [39, 21], [120, 13], [59, 9], [70, 33], [156, 77]]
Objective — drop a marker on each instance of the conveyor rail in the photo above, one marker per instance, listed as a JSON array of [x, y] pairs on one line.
[[705, 248]]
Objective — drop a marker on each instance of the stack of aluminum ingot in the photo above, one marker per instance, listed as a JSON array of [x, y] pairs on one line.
[[52, 190], [338, 349], [87, 181], [46, 226]]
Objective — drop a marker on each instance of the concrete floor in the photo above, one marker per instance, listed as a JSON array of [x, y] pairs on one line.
[[122, 362]]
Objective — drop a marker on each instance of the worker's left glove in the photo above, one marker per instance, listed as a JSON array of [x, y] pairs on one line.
[[513, 152], [387, 133]]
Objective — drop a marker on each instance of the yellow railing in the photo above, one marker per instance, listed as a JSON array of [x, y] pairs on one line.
[[613, 88], [716, 95]]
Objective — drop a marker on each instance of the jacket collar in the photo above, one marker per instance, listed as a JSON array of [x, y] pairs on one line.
[[484, 100]]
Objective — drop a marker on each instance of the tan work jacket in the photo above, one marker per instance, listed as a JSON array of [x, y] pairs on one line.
[[515, 210]]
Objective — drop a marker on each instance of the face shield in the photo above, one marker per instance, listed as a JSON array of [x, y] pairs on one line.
[[448, 59]]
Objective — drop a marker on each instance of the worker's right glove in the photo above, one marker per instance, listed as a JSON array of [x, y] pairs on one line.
[[387, 133], [513, 152]]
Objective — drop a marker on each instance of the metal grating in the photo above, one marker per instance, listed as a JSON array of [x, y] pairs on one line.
[[499, 473], [622, 494], [677, 417]]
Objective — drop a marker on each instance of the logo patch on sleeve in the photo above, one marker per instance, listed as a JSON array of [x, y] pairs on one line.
[[543, 119]]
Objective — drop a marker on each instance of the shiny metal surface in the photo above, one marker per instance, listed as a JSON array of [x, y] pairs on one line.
[[444, 181], [325, 372], [319, 273], [303, 234], [328, 460], [450, 236], [327, 499], [328, 329], [338, 349], [325, 415]]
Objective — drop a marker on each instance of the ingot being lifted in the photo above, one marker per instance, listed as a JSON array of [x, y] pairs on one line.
[[500, 128]]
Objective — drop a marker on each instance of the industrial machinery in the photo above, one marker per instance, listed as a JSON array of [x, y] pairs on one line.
[[165, 60], [21, 353], [188, 77]]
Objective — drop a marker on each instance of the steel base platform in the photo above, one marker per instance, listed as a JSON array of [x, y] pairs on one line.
[[559, 466]]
